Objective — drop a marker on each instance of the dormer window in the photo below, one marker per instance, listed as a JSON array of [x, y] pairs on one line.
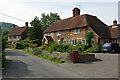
[[79, 31], [58, 33], [48, 34], [75, 31]]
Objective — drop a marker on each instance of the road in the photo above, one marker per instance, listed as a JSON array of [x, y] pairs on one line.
[[23, 65]]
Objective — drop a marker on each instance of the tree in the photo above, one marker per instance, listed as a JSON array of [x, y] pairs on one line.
[[35, 32], [48, 19], [5, 32]]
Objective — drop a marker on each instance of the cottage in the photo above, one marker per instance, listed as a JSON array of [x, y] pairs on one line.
[[115, 32], [73, 29], [17, 34]]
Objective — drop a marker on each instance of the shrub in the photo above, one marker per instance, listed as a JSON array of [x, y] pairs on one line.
[[4, 60], [33, 45], [60, 50], [93, 49], [53, 47], [25, 43], [71, 48], [19, 45], [43, 47], [37, 51]]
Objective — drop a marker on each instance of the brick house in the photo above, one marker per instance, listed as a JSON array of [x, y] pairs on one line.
[[18, 34], [73, 29], [115, 32]]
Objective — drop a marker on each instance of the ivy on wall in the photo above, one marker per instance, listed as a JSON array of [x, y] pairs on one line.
[[89, 36]]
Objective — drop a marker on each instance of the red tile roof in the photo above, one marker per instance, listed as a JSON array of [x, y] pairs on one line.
[[17, 31], [81, 21]]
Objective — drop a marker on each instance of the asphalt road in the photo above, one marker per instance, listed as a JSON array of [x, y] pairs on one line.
[[23, 65]]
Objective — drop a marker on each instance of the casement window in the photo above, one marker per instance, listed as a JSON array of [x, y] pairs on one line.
[[64, 41], [48, 34], [75, 31], [83, 41], [58, 33], [79, 31], [14, 36], [73, 41], [58, 41], [92, 41], [10, 37]]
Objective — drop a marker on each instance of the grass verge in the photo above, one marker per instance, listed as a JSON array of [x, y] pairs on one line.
[[54, 59]]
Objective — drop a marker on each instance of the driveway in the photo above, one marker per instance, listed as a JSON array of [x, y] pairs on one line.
[[106, 66], [23, 65]]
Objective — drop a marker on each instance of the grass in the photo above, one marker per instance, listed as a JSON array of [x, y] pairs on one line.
[[54, 59], [12, 48]]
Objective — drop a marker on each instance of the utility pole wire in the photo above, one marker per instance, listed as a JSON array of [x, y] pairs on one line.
[[13, 17]]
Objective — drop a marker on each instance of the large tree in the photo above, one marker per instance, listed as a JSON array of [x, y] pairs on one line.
[[48, 19], [35, 32]]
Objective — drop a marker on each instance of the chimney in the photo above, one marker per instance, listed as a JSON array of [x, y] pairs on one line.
[[13, 26], [114, 23], [26, 24], [76, 12]]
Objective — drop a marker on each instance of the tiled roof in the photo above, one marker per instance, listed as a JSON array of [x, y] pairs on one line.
[[115, 32], [81, 21], [17, 31]]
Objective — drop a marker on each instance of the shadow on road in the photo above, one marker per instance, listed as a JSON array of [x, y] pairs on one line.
[[13, 71]]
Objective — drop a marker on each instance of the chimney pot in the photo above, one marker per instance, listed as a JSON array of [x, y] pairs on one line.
[[13, 26], [76, 12], [26, 24], [114, 22]]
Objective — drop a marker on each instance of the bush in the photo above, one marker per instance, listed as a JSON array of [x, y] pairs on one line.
[[43, 47], [93, 49], [60, 50], [4, 60], [32, 45], [53, 47], [19, 45], [25, 43], [37, 51], [71, 48]]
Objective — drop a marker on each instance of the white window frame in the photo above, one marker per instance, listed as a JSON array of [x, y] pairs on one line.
[[83, 42], [58, 33], [64, 41], [92, 41], [58, 41], [75, 31], [79, 31], [74, 41]]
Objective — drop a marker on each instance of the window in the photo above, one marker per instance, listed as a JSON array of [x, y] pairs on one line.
[[83, 41], [58, 41], [64, 41], [73, 41], [58, 33], [92, 41], [10, 37], [79, 31], [14, 36], [48, 34], [75, 31]]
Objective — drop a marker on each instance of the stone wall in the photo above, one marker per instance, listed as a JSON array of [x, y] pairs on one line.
[[61, 56]]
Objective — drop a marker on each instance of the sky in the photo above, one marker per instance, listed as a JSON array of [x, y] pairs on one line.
[[26, 10]]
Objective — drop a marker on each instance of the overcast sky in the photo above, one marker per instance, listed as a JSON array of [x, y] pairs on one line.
[[105, 10]]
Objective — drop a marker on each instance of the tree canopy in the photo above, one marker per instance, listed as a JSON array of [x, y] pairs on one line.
[[49, 19]]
